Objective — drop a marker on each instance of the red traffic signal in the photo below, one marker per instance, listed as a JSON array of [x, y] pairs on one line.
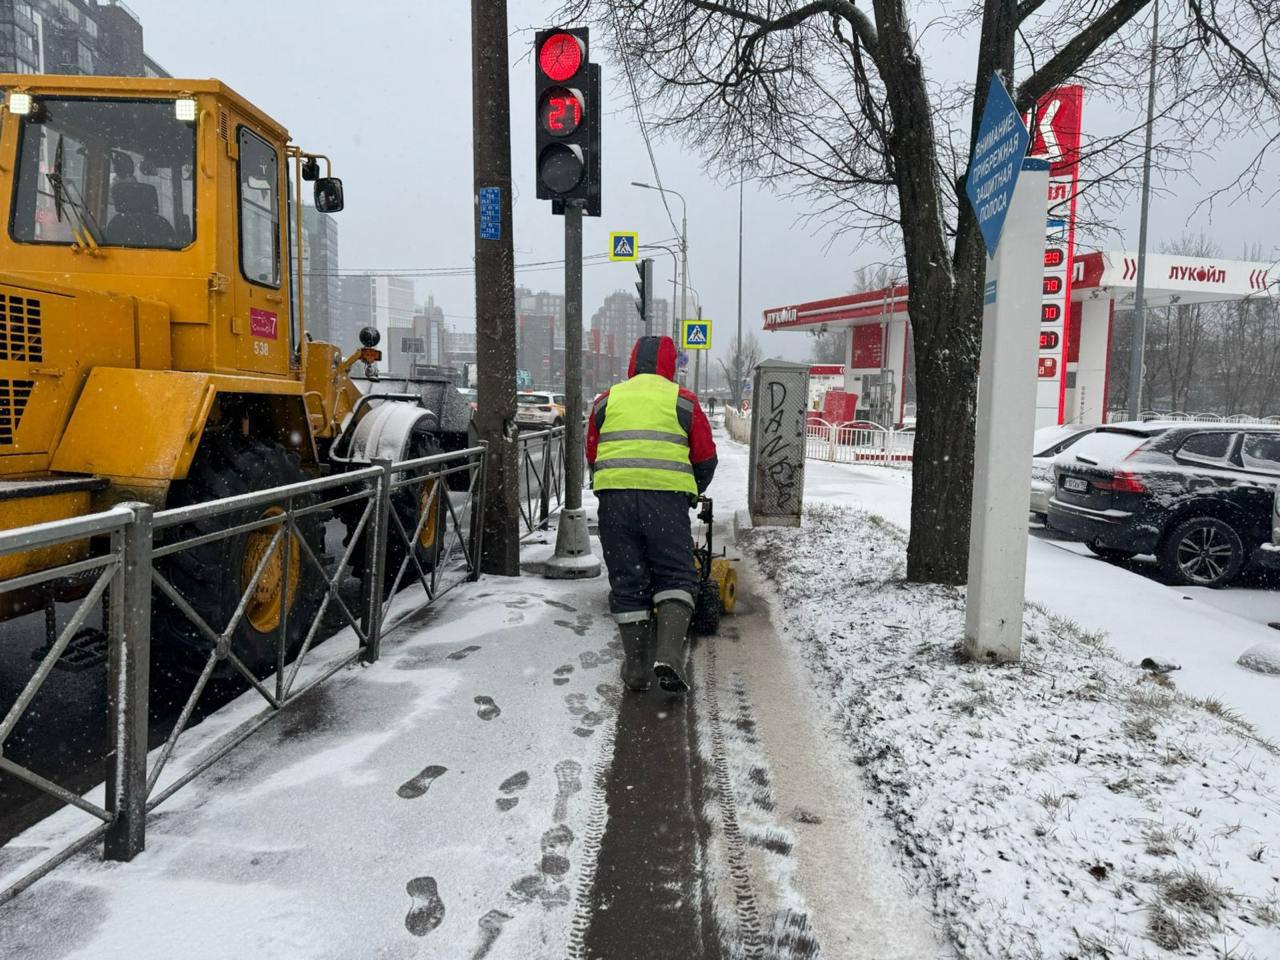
[[560, 56]]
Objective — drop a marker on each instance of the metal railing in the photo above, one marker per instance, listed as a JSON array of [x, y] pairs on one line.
[[541, 478], [403, 511], [858, 442]]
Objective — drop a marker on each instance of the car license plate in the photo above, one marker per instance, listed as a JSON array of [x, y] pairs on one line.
[[1076, 484]]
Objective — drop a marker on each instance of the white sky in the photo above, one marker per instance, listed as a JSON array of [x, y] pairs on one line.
[[384, 89]]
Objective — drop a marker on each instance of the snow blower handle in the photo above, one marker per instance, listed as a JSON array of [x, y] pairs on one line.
[[705, 515]]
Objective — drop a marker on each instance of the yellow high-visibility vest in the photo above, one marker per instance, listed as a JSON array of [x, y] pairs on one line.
[[642, 445]]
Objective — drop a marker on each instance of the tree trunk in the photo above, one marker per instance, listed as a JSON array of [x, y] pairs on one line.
[[942, 488]]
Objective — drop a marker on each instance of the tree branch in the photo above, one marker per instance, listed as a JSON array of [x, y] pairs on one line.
[[1077, 52]]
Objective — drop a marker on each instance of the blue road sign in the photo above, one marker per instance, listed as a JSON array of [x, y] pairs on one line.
[[996, 162], [695, 335], [624, 246], [490, 213]]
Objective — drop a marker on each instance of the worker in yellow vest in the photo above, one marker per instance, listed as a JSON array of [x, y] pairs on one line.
[[651, 454]]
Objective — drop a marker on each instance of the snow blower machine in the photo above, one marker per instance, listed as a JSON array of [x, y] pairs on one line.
[[717, 579]]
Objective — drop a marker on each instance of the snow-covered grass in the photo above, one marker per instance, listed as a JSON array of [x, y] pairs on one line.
[[1071, 805]]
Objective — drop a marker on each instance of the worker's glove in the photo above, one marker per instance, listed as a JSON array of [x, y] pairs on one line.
[[693, 500]]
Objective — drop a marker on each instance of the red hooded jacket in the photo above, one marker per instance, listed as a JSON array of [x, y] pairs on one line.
[[658, 355]]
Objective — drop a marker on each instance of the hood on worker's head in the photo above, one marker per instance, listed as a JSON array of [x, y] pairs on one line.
[[653, 355]]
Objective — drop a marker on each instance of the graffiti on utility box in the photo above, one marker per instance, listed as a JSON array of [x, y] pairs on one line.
[[776, 478]]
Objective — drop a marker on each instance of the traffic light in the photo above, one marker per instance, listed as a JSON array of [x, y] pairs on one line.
[[644, 287], [566, 93]]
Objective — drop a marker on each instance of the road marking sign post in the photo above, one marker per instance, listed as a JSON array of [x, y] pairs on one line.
[[1007, 192], [624, 246], [695, 334]]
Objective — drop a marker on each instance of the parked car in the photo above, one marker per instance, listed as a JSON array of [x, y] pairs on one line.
[[1199, 496], [538, 409], [1049, 442]]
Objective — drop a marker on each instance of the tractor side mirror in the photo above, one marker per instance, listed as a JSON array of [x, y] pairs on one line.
[[369, 336], [328, 195]]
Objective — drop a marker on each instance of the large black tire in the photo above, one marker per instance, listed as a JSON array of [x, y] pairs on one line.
[[407, 505], [212, 577], [1110, 553], [707, 611], [1202, 552]]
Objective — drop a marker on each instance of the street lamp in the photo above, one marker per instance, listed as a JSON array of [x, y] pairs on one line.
[[684, 250]]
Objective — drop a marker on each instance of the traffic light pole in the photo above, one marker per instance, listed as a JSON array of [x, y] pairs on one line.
[[495, 286], [573, 440], [573, 558]]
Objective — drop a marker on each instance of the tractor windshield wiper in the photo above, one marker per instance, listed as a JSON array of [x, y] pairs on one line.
[[62, 196]]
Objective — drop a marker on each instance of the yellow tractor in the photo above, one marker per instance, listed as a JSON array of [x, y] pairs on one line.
[[152, 341]]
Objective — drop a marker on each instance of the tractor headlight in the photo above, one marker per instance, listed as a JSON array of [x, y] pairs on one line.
[[21, 104], [185, 109]]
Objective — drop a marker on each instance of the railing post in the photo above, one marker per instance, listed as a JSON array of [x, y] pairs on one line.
[[375, 562], [831, 443], [477, 515], [544, 506], [128, 684]]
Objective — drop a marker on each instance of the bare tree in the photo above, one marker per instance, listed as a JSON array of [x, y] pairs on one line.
[[833, 97], [742, 361]]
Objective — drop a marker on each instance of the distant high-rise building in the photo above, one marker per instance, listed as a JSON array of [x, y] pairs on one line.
[[73, 37], [375, 301], [459, 348], [320, 280], [619, 319]]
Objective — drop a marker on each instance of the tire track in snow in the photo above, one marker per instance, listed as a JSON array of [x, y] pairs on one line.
[[746, 907], [592, 840]]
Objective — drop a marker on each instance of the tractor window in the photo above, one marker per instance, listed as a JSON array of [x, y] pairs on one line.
[[259, 210], [117, 173]]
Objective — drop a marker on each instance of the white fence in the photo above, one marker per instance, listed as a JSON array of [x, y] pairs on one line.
[[1120, 416], [859, 442], [855, 442]]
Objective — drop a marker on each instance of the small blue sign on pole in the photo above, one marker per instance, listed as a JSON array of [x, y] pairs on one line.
[[490, 213], [996, 162]]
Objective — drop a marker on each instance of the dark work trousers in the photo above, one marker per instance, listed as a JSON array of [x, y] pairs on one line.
[[648, 549]]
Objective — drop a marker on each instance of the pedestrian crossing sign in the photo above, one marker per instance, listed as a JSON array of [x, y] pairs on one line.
[[624, 246], [695, 335]]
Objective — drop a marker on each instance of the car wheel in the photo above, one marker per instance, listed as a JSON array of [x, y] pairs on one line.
[[1202, 552], [1110, 553]]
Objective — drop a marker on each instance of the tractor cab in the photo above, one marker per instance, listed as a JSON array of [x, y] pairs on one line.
[[173, 191]]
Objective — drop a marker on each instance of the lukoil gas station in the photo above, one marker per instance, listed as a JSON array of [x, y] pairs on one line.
[[1081, 293]]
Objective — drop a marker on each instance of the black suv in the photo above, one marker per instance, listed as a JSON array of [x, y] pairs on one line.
[[1200, 496]]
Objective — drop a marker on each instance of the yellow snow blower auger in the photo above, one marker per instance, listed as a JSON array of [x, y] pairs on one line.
[[717, 579]]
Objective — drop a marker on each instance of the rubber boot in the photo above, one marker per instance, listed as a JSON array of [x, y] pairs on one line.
[[637, 654], [672, 628]]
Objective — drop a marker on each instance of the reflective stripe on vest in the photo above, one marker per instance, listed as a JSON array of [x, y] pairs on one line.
[[642, 444]]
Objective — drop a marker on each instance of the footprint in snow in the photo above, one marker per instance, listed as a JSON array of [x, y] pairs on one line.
[[576, 703], [509, 788], [560, 676], [488, 709], [490, 929], [427, 911], [555, 844], [568, 782], [560, 606], [417, 786], [463, 653]]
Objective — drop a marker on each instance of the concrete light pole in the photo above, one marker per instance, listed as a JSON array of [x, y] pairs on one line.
[[1139, 343]]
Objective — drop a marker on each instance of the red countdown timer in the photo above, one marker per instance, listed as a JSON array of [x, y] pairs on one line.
[[561, 111], [560, 57]]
